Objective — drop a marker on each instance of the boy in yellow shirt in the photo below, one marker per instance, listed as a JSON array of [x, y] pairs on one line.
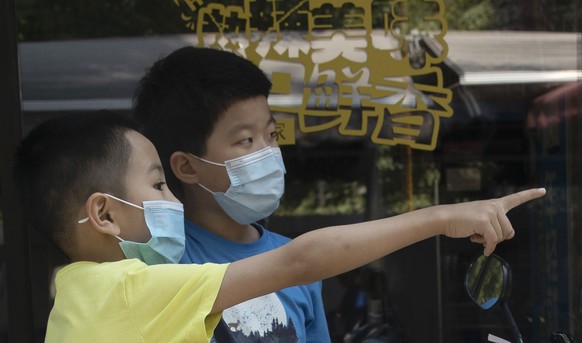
[[95, 186]]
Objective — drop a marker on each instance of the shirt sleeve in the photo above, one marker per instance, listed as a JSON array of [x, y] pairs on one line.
[[171, 302], [316, 331]]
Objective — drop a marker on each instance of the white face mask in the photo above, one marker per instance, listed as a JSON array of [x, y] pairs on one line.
[[257, 183], [165, 220]]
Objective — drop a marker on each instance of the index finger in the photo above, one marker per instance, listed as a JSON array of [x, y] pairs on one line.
[[512, 200]]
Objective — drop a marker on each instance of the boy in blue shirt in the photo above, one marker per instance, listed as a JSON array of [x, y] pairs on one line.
[[206, 112]]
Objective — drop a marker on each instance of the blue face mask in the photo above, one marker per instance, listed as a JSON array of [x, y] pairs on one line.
[[165, 220], [257, 183]]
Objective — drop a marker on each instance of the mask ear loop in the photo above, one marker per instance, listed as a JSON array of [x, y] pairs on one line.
[[205, 188], [86, 219], [207, 161]]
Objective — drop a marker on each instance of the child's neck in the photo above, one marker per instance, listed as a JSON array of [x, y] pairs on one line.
[[227, 228]]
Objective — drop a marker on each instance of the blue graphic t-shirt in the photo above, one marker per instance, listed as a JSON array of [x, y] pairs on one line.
[[294, 314]]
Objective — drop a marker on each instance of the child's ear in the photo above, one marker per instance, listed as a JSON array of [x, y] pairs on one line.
[[97, 207], [181, 164]]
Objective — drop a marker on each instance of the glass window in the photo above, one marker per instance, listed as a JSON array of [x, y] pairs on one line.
[[382, 107], [3, 290]]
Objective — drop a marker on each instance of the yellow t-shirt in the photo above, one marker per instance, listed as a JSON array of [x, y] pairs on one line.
[[128, 301]]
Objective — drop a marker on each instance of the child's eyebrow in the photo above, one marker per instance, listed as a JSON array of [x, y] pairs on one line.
[[155, 167], [239, 128], [247, 126]]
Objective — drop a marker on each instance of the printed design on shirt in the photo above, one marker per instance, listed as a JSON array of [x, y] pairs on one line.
[[262, 319]]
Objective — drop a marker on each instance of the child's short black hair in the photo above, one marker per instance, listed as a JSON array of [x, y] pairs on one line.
[[62, 161], [183, 95]]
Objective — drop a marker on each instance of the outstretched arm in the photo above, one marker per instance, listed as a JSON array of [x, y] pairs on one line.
[[323, 253]]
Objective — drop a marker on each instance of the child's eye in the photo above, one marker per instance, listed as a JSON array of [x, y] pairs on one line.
[[247, 141], [273, 135], [160, 185]]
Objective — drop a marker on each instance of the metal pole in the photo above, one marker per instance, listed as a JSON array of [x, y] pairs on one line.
[[409, 178], [439, 272]]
